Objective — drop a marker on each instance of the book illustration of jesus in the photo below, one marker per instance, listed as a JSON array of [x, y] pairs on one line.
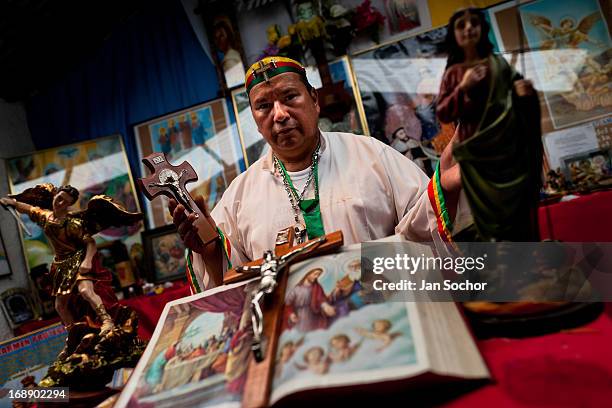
[[325, 301], [202, 357]]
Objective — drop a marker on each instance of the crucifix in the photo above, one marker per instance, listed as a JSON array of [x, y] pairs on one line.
[[268, 301], [169, 180], [263, 69]]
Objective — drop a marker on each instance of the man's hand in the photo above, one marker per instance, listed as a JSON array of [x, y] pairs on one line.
[[185, 224], [472, 76]]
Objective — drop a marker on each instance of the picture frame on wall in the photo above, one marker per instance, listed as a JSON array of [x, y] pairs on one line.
[[17, 305], [401, 19], [253, 144], [399, 83], [225, 42], [201, 135], [165, 254], [96, 166], [588, 167], [5, 266], [571, 69]]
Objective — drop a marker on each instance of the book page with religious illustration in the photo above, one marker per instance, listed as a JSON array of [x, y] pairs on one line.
[[337, 330], [198, 354]]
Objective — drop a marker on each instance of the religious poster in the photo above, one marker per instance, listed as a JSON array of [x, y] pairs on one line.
[[5, 267], [573, 58], [165, 254], [401, 18], [225, 42], [201, 135], [93, 167], [399, 83], [569, 142], [253, 144], [198, 353], [28, 356]]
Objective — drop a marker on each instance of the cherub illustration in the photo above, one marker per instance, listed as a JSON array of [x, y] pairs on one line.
[[380, 331], [568, 34], [287, 351], [342, 349], [316, 361]]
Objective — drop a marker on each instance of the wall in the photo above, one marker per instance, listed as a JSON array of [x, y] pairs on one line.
[[15, 139]]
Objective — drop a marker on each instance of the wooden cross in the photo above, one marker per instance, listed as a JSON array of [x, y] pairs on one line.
[[169, 180], [259, 376]]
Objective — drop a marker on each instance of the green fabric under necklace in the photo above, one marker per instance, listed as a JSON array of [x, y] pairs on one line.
[[310, 208]]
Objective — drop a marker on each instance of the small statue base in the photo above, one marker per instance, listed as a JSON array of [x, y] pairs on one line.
[[89, 359], [527, 319]]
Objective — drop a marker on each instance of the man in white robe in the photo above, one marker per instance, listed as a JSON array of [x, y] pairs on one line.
[[365, 188]]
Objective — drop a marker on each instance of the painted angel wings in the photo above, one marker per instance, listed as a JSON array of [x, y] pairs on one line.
[[568, 34]]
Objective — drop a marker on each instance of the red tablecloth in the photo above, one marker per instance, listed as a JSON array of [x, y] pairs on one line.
[[568, 369], [149, 308], [584, 219]]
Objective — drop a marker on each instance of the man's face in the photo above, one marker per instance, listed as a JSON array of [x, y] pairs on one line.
[[286, 114]]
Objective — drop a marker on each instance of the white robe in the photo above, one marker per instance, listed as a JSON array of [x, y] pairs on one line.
[[366, 188]]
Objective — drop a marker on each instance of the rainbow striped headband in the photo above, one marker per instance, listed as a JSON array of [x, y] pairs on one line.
[[266, 68]]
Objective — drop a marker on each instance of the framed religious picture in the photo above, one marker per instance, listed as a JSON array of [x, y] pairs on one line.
[[203, 136], [397, 19], [165, 254], [17, 306], [399, 83], [5, 266], [253, 144], [97, 166], [573, 58], [588, 170], [225, 41]]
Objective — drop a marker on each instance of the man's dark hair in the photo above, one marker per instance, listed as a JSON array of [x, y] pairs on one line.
[[71, 191], [484, 46]]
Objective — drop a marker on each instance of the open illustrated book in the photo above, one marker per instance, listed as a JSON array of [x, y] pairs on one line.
[[337, 333]]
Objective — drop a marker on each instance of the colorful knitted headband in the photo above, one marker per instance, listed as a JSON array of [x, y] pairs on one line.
[[268, 67]]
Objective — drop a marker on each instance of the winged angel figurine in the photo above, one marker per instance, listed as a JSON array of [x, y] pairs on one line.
[[84, 298], [568, 34]]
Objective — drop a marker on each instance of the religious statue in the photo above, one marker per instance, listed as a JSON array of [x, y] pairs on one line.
[[101, 333], [497, 142]]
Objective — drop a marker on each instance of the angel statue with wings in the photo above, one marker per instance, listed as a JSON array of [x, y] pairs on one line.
[[76, 269], [84, 298]]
